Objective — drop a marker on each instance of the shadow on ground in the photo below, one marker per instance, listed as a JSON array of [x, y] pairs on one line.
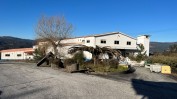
[[155, 90], [0, 93]]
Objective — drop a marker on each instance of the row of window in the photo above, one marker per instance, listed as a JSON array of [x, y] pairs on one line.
[[104, 42], [8, 55], [115, 42]]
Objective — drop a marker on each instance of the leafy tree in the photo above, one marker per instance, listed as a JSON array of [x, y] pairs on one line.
[[141, 53]]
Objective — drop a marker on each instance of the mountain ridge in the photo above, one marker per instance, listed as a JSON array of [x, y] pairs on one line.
[[9, 42]]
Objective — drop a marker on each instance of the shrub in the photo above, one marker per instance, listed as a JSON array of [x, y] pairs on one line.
[[140, 57], [69, 62], [38, 54], [164, 59], [119, 69], [79, 58], [113, 63], [105, 66]]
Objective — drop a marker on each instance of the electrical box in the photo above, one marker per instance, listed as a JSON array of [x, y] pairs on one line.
[[166, 70]]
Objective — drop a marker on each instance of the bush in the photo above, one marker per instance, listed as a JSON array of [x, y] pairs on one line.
[[105, 66], [38, 54], [170, 60], [119, 69], [69, 62], [113, 63], [138, 58], [79, 58]]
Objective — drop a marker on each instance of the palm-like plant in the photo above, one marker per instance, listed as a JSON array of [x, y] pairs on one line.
[[95, 51]]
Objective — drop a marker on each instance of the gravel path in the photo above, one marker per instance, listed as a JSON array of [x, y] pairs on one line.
[[26, 81]]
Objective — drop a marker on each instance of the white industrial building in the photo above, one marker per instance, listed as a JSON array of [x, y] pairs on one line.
[[116, 40], [17, 54]]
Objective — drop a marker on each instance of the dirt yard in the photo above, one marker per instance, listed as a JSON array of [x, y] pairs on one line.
[[26, 81]]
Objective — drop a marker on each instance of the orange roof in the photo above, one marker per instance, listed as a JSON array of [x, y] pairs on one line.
[[19, 49]]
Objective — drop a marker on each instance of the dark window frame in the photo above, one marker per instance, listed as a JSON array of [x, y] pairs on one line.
[[19, 55], [8, 55], [128, 42], [103, 41], [116, 42], [88, 41]]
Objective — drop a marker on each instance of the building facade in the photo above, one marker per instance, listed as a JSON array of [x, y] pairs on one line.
[[17, 54], [115, 40]]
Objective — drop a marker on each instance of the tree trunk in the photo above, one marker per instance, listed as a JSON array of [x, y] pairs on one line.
[[94, 61], [55, 51]]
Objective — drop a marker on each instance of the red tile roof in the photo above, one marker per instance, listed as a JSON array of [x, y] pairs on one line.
[[17, 50]]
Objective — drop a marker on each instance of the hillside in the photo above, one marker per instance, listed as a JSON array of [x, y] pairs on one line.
[[7, 42], [160, 46]]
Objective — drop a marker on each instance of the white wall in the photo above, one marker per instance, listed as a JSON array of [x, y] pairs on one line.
[[118, 37], [92, 41], [145, 40], [13, 55], [80, 40]]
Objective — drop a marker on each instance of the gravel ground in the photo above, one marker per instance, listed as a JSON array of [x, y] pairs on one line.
[[26, 81]]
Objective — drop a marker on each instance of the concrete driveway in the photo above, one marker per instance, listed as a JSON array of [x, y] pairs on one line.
[[26, 81]]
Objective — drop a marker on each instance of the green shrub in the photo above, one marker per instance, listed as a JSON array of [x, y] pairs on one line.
[[69, 61], [112, 63], [55, 61], [79, 58], [164, 59], [140, 57], [102, 67], [38, 54], [119, 69]]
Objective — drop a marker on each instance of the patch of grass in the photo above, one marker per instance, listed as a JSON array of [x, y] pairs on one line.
[[105, 68], [163, 59], [119, 69]]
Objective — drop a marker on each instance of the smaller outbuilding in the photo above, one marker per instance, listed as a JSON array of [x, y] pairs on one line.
[[17, 54]]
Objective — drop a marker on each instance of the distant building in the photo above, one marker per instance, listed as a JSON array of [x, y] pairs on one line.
[[115, 40], [144, 39], [17, 54]]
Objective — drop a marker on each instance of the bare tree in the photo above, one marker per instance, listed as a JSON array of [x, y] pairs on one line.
[[53, 30]]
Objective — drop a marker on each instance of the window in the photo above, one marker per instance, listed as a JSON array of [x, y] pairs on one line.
[[128, 43], [88, 41], [7, 54], [116, 42], [83, 41], [103, 41], [19, 55]]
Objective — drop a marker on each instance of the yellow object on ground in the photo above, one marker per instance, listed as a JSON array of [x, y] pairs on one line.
[[166, 70]]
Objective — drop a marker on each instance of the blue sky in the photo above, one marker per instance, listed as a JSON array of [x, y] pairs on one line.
[[157, 18]]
